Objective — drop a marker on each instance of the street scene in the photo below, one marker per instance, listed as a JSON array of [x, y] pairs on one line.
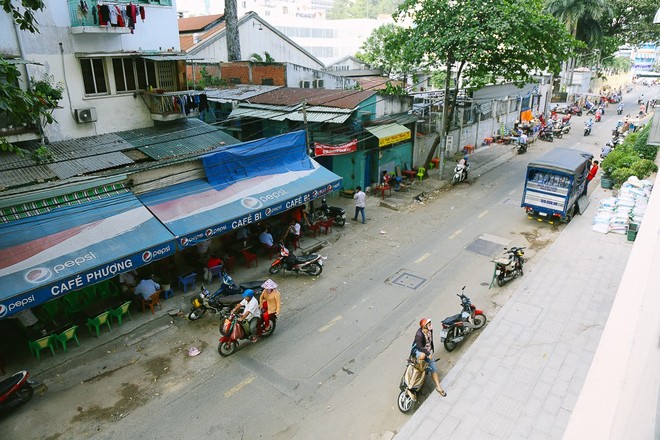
[[216, 224]]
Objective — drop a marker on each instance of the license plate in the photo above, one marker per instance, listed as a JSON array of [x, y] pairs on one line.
[[543, 214], [443, 334], [497, 272], [320, 262]]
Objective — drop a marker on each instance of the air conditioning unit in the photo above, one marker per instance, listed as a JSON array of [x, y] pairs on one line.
[[318, 83], [305, 84], [86, 115]]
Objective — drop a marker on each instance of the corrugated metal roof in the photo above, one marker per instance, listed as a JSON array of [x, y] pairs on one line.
[[182, 138], [22, 176], [78, 167], [386, 130], [347, 99], [239, 93], [281, 113]]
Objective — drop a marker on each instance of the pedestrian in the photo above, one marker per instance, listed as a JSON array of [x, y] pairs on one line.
[[270, 300], [593, 171], [360, 202], [423, 349]]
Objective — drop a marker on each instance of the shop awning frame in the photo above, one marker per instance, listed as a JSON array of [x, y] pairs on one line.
[[389, 134]]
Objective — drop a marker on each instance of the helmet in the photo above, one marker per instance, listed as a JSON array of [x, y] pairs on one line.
[[249, 293], [465, 157], [424, 321]]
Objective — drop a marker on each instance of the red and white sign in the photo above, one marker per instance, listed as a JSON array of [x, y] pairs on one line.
[[334, 150]]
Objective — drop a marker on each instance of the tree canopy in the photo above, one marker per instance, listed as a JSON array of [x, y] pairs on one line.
[[382, 50], [484, 41]]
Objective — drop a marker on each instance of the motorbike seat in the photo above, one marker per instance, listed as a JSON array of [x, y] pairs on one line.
[[229, 300], [502, 260], [305, 258], [253, 285], [452, 319]]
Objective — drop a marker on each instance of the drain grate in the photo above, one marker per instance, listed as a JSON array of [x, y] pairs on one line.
[[485, 247], [408, 280]]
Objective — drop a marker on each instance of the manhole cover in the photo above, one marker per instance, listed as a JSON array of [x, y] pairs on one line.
[[409, 280], [485, 247]]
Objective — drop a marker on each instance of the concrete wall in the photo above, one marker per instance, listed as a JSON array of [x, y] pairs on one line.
[[619, 398]]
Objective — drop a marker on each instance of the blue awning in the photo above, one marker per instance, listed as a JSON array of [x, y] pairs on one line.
[[68, 246], [247, 183]]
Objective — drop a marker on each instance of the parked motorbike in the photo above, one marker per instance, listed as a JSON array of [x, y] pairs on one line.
[[587, 129], [233, 330], [16, 390], [287, 261], [223, 299], [592, 110], [460, 173], [411, 383], [456, 327], [509, 266], [546, 135], [574, 110], [597, 117], [522, 147], [557, 132], [566, 127], [334, 212]]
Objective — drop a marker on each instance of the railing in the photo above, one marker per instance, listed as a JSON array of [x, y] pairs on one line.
[[85, 13]]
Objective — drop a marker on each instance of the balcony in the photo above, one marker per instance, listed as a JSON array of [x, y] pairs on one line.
[[169, 106], [15, 134], [86, 20]]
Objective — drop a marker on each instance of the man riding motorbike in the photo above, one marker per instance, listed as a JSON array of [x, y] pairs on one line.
[[463, 165], [423, 348], [251, 312]]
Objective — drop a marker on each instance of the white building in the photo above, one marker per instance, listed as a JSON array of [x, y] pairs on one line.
[[103, 68]]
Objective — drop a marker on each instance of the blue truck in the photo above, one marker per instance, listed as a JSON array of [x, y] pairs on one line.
[[556, 185]]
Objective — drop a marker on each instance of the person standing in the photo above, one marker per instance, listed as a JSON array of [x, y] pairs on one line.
[[360, 202], [270, 300], [592, 171], [423, 349]]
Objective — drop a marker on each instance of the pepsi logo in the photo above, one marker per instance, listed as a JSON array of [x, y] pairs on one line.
[[315, 193], [3, 310], [251, 203], [208, 232], [184, 241], [37, 275], [329, 188], [146, 256], [268, 211]]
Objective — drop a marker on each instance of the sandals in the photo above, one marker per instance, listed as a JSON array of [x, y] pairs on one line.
[[442, 392]]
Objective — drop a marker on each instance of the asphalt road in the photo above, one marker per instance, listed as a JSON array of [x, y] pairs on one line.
[[332, 368]]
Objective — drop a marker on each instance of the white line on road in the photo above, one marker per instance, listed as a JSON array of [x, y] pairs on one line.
[[483, 213], [455, 234], [422, 258], [330, 324], [240, 385]]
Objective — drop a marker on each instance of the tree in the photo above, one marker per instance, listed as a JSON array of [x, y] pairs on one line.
[[383, 50], [632, 22], [482, 42], [231, 21], [362, 8], [23, 15]]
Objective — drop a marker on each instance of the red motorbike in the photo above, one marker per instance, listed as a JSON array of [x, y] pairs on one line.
[[456, 327], [311, 264], [597, 117], [234, 330], [16, 390]]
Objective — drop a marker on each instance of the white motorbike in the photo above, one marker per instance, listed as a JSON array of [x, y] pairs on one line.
[[460, 173]]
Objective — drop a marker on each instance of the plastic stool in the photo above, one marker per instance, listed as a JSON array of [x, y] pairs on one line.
[[168, 293]]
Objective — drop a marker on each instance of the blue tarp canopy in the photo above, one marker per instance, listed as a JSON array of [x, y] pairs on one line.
[[247, 183], [69, 246]]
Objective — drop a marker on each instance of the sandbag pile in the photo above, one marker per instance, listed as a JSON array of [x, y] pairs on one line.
[[616, 213]]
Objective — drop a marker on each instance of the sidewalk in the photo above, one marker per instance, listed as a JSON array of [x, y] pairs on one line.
[[522, 376]]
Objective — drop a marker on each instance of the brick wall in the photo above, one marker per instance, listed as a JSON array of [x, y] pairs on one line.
[[254, 73]]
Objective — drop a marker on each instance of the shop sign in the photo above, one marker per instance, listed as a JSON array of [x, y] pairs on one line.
[[334, 150], [389, 140]]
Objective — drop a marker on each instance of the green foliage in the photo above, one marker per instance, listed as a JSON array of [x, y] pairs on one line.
[[393, 90], [47, 89], [22, 13], [643, 168], [383, 50], [632, 22], [634, 157], [620, 175], [343, 9], [42, 155], [642, 147], [208, 80]]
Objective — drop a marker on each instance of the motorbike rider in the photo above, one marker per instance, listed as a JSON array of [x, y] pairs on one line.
[[620, 107], [251, 313], [522, 139], [423, 349], [589, 123], [463, 165]]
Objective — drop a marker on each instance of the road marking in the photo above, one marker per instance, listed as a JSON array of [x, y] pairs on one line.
[[513, 191], [455, 234], [240, 386], [483, 213], [422, 258], [331, 323]]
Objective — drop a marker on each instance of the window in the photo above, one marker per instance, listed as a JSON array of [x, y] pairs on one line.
[[134, 74], [93, 73]]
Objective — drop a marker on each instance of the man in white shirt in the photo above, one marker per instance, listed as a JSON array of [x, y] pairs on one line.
[[251, 312], [360, 202]]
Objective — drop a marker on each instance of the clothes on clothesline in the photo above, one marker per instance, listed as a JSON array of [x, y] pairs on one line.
[[118, 15]]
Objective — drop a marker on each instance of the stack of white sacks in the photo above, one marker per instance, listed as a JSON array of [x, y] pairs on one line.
[[616, 213]]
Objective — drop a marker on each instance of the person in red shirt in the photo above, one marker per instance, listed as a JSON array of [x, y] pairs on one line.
[[592, 171], [213, 261]]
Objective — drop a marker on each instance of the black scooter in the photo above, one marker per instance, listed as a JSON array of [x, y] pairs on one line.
[[16, 390], [222, 300], [334, 212]]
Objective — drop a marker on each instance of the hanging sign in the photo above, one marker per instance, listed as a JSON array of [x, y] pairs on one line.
[[334, 150]]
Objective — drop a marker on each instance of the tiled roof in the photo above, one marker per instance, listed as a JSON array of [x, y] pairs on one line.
[[195, 24], [376, 82], [348, 99]]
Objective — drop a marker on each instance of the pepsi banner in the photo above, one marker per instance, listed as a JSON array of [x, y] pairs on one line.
[[80, 280], [48, 255], [196, 211]]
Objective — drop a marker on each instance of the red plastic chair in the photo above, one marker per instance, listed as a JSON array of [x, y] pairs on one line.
[[327, 225], [249, 257], [269, 250], [229, 263], [314, 229]]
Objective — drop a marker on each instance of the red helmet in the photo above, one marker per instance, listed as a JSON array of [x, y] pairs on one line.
[[424, 321]]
